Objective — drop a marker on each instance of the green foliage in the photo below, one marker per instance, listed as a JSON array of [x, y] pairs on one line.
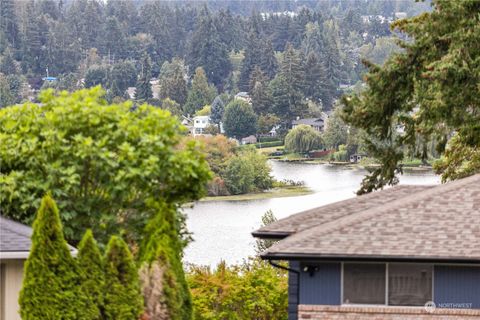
[[172, 106], [336, 131], [172, 81], [263, 244], [269, 144], [96, 75], [218, 107], [239, 119], [341, 155], [103, 163], [92, 275], [248, 172], [6, 96], [267, 122], [201, 93], [205, 111], [50, 287], [253, 290], [303, 139], [123, 300], [143, 90], [430, 90], [163, 280]]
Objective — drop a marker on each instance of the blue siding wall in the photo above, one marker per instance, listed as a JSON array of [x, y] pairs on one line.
[[293, 291], [456, 284], [323, 287]]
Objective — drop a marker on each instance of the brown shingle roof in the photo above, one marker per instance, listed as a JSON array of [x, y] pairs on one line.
[[440, 223], [317, 216]]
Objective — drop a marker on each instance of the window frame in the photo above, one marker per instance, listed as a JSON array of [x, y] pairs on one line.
[[387, 285]]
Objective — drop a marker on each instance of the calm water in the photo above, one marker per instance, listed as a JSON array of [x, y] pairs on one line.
[[221, 229]]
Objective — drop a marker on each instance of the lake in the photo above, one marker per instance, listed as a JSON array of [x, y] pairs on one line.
[[221, 229]]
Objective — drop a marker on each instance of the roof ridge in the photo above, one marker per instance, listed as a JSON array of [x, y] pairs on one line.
[[372, 212], [342, 202]]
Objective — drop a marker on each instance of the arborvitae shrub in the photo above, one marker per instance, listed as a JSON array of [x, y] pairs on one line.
[[51, 283], [123, 300], [92, 275], [165, 288]]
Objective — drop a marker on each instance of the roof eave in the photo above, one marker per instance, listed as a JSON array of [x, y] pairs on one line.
[[278, 235], [12, 255], [371, 258]]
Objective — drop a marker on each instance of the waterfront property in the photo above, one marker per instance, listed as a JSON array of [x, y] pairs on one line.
[[14, 250], [318, 124], [409, 252]]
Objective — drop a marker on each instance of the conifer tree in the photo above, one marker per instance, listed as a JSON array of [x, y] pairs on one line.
[[201, 93], [123, 300], [51, 282], [218, 107], [164, 285], [90, 263], [143, 89], [260, 92]]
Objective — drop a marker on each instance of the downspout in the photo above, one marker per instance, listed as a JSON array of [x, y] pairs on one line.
[[298, 279]]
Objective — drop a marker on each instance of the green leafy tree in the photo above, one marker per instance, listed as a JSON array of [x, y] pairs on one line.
[[303, 139], [200, 94], [267, 122], [172, 106], [252, 290], [143, 89], [430, 97], [50, 287], [122, 75], [92, 275], [96, 75], [239, 119], [336, 131], [102, 162], [123, 299]]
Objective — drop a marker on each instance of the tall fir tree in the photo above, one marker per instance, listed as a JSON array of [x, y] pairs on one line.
[[260, 92], [143, 89], [218, 107], [92, 275], [208, 51], [172, 81], [200, 94], [317, 86], [123, 299], [8, 22], [51, 280]]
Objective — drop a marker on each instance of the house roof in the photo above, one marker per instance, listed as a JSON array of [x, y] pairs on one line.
[[318, 216], [309, 121], [15, 240], [435, 224]]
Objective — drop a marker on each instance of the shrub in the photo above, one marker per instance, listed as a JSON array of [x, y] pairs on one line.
[[239, 119], [269, 144], [253, 290], [303, 139], [50, 287], [92, 275], [123, 300]]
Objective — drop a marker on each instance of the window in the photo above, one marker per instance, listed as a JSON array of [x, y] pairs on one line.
[[407, 285], [364, 283]]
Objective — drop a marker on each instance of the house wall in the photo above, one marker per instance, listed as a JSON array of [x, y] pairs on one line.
[[456, 293], [457, 285], [12, 277], [293, 290]]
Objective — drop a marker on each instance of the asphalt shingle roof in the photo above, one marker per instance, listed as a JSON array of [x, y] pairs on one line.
[[441, 223], [14, 236], [317, 216]]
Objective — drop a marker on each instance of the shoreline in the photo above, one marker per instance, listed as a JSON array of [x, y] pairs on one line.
[[282, 192]]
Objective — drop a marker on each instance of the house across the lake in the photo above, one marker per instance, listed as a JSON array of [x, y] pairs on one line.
[[14, 250], [407, 252], [318, 124]]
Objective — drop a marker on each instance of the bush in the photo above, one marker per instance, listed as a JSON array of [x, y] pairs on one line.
[[123, 300], [50, 286], [303, 139], [341, 155], [268, 139], [239, 119], [92, 275], [253, 290], [248, 172]]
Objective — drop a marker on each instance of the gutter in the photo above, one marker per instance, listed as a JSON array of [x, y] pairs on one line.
[[11, 255], [277, 235]]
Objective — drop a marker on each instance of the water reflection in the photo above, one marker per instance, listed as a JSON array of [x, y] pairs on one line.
[[221, 229]]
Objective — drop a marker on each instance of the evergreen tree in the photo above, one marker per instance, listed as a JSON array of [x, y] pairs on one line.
[[123, 300], [253, 55], [90, 263], [200, 94], [51, 281], [208, 51], [172, 81], [164, 286], [143, 89], [8, 65], [218, 107], [268, 62], [317, 85], [260, 92], [8, 22], [6, 96]]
